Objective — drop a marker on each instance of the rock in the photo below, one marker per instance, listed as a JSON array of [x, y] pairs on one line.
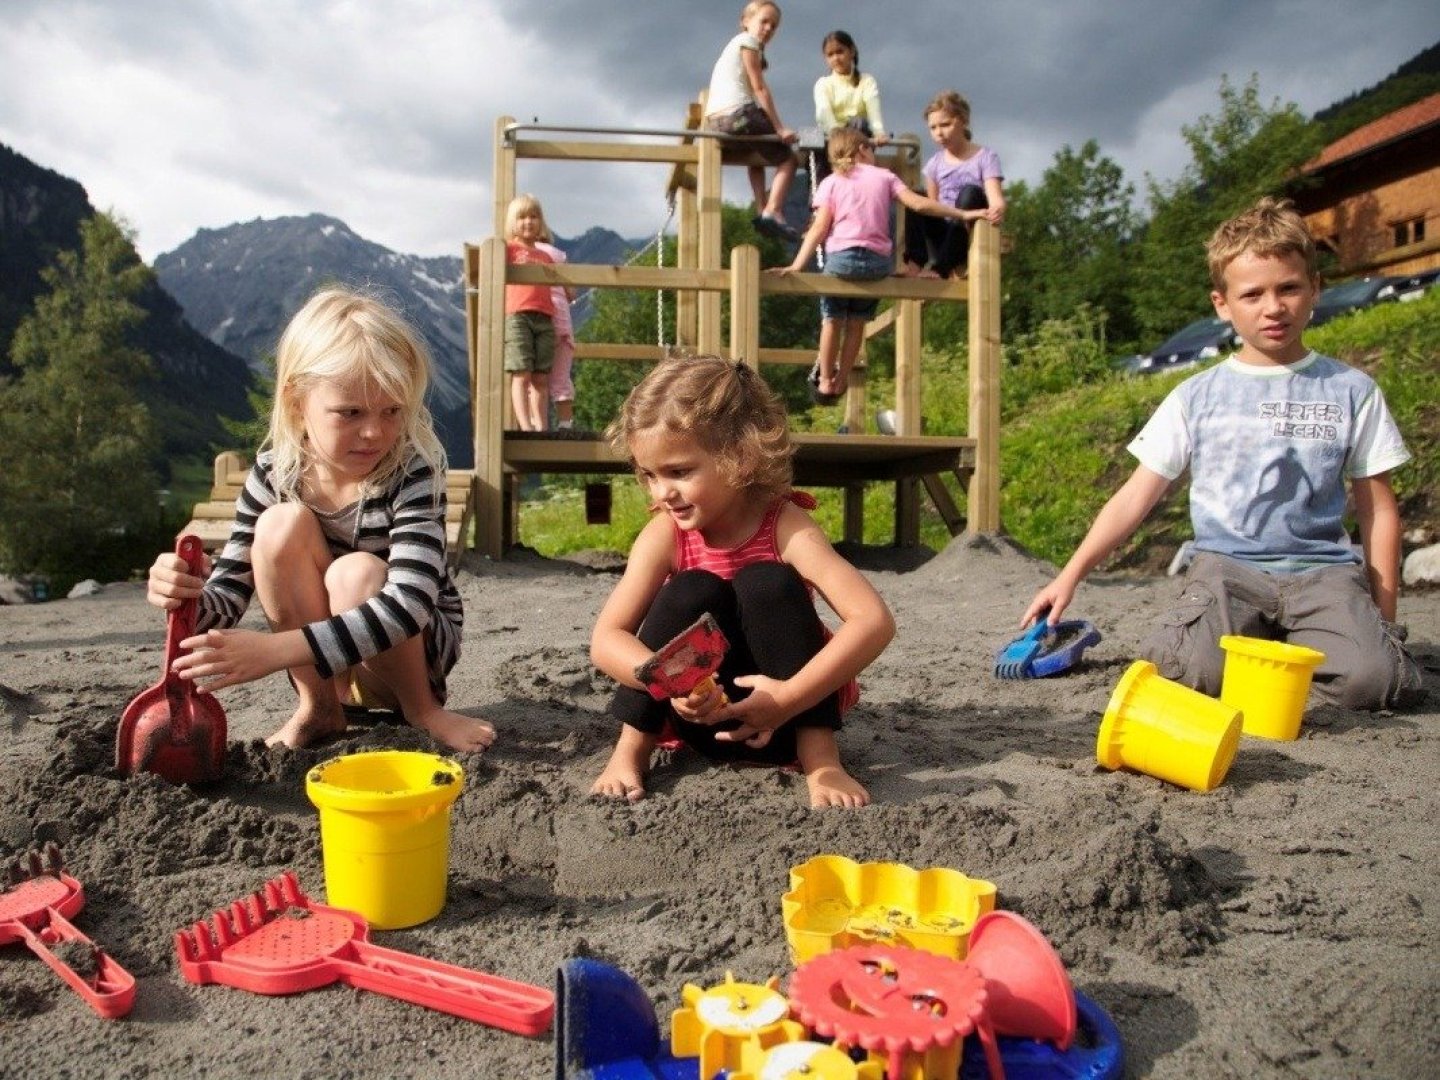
[[1422, 567], [1419, 537], [88, 587]]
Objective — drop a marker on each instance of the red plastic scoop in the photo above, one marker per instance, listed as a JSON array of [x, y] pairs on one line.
[[686, 661], [276, 941], [170, 728], [35, 910]]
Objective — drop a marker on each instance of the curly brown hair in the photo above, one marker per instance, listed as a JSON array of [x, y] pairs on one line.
[[726, 407]]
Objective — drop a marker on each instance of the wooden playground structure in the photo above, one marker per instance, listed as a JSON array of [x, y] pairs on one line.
[[908, 458], [488, 495]]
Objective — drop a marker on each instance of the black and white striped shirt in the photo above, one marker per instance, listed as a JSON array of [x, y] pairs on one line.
[[404, 525]]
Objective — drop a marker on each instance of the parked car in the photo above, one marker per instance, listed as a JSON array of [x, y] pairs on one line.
[[1351, 296], [1416, 285], [1201, 340]]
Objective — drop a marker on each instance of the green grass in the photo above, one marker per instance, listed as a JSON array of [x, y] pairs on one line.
[[1062, 454]]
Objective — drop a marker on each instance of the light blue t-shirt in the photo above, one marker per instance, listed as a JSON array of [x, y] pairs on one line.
[[1269, 450]]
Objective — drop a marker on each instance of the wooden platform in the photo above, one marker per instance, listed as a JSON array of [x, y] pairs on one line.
[[214, 519], [844, 461]]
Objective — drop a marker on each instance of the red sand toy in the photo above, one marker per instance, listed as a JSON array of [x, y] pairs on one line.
[[171, 728], [277, 941], [686, 662], [35, 910]]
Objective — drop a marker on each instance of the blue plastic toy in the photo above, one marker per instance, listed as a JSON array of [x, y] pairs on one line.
[[1096, 1053], [606, 1029], [1046, 650]]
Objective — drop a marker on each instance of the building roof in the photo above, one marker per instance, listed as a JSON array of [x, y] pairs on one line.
[[1388, 128]]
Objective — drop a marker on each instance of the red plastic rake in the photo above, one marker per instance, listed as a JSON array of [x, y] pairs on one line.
[[36, 910], [277, 941]]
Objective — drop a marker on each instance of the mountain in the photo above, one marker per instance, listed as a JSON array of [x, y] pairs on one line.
[[196, 382], [240, 284]]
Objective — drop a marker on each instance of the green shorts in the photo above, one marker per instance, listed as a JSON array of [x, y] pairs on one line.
[[529, 341]]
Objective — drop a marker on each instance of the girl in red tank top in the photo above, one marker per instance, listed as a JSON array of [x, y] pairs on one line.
[[711, 444]]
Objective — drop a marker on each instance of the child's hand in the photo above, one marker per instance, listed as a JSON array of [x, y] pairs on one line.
[[782, 270], [171, 581], [760, 714], [788, 135], [701, 703], [228, 657], [1055, 597]]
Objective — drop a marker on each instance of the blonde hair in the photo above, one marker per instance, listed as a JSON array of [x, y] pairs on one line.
[[952, 103], [727, 408], [346, 335], [843, 146], [750, 9], [525, 204], [1270, 228]]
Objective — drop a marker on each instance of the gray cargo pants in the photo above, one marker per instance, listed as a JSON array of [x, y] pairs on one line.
[[1328, 608]]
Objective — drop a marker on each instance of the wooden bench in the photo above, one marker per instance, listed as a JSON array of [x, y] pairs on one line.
[[213, 519]]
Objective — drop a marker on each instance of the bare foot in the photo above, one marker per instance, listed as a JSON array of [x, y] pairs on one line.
[[455, 730], [908, 269], [624, 774], [309, 725], [928, 273], [831, 785]]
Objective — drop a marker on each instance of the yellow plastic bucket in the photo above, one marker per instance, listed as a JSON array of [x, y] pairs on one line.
[[1269, 682], [385, 832], [1157, 726]]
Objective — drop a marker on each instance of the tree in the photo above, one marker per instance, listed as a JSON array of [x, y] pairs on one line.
[[77, 495], [1073, 235], [1246, 151]]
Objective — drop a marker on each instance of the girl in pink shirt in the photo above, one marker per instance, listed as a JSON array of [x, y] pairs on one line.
[[852, 219], [711, 443]]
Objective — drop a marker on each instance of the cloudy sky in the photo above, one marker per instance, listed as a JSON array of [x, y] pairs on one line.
[[189, 114]]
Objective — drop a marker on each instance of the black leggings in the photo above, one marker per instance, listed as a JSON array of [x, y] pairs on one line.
[[940, 243], [770, 621]]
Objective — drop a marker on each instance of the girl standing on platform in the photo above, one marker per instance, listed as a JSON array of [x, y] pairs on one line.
[[852, 219], [529, 317], [562, 385], [961, 174], [340, 532], [739, 102], [711, 444], [846, 97]]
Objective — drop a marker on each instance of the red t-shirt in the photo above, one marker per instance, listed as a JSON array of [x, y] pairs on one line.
[[520, 298]]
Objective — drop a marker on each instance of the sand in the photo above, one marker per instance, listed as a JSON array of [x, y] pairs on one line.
[[1283, 925]]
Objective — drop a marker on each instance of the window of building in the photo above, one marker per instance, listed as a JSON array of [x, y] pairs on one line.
[[1409, 232]]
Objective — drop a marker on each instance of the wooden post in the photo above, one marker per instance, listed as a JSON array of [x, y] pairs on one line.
[[855, 513], [489, 400], [708, 194], [907, 367], [502, 176], [687, 252], [503, 182], [984, 274], [745, 305]]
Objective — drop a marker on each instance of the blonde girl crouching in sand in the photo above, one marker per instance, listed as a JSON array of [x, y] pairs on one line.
[[711, 444], [340, 532]]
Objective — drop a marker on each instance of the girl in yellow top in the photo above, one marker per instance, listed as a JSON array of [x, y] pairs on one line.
[[846, 97]]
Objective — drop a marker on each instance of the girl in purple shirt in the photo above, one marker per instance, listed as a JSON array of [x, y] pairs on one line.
[[962, 174]]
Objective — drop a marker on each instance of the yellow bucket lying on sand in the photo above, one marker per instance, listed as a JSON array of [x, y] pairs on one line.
[[385, 833], [1157, 726], [1269, 682]]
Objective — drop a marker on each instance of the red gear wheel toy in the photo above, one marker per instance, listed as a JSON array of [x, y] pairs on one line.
[[897, 1001]]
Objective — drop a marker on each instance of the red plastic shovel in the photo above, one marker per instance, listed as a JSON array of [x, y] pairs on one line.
[[688, 660], [277, 941], [35, 910], [171, 728]]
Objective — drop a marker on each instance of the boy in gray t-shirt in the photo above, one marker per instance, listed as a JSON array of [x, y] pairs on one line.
[[1270, 436]]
